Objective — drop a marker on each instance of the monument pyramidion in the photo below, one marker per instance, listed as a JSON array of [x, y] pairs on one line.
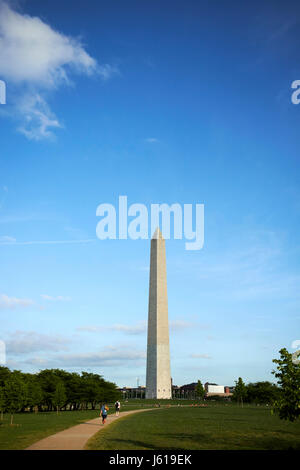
[[158, 376]]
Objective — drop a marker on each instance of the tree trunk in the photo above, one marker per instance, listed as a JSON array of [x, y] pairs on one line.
[[11, 419]]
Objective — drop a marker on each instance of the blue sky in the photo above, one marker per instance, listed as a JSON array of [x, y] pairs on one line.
[[186, 102]]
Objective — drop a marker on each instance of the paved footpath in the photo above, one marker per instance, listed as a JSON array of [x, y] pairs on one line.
[[76, 437]]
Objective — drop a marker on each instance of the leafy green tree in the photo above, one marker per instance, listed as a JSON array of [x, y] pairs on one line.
[[73, 384], [2, 401], [4, 374], [59, 397], [110, 392], [240, 391], [91, 391], [34, 392], [200, 391], [262, 392], [56, 388], [288, 374], [48, 380], [94, 389], [15, 393]]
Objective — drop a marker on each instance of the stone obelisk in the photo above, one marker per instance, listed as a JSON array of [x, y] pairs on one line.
[[158, 377]]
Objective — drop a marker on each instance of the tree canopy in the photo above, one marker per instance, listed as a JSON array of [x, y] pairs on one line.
[[240, 391], [200, 391], [52, 389], [287, 404]]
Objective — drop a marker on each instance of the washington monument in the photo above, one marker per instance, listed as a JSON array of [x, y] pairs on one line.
[[158, 377]]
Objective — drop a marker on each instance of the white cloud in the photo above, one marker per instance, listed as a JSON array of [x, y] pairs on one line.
[[179, 325], [12, 302], [152, 140], [13, 241], [36, 58], [253, 266], [140, 328], [37, 118], [37, 361], [110, 356], [33, 52], [201, 356], [7, 239], [57, 299], [24, 342], [131, 330]]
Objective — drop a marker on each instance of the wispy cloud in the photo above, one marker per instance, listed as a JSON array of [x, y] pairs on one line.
[[44, 242], [13, 302], [38, 120], [37, 59], [178, 325], [152, 140], [25, 342], [138, 329], [109, 356], [15, 218], [200, 356], [257, 270], [131, 330], [7, 239], [59, 298]]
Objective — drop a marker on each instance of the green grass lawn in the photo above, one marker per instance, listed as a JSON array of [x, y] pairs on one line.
[[30, 427], [186, 428]]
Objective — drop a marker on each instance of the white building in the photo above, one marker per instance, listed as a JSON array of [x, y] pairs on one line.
[[215, 389]]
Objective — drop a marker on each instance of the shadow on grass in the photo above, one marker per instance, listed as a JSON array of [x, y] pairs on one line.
[[141, 445], [206, 441]]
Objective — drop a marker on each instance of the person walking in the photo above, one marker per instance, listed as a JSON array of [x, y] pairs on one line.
[[117, 406], [103, 412]]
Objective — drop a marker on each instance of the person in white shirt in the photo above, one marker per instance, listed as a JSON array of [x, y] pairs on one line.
[[117, 406]]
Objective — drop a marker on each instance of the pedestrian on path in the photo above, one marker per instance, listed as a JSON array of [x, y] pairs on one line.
[[117, 406], [103, 412]]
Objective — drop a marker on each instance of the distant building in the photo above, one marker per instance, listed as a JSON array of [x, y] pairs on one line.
[[214, 389], [187, 391], [133, 392]]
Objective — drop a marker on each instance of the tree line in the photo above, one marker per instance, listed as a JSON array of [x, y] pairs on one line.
[[53, 389], [284, 397], [258, 392]]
